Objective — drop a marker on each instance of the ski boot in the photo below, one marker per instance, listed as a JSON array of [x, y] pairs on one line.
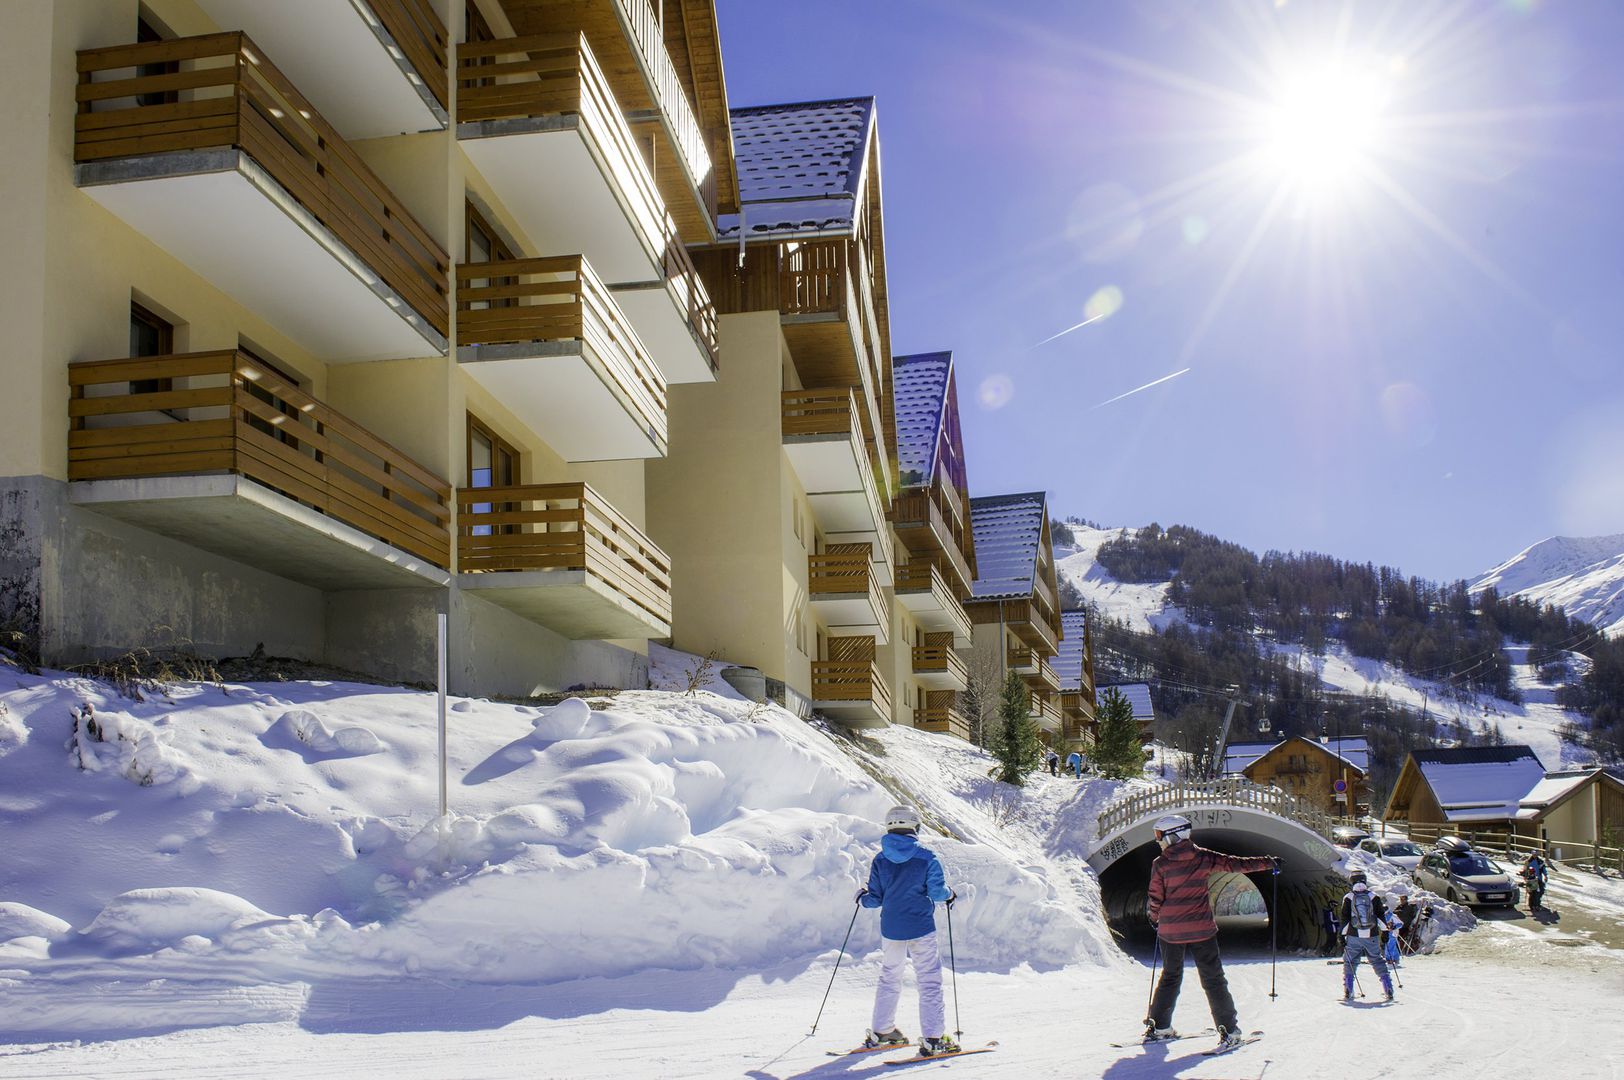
[[1227, 1040], [1156, 1034], [941, 1044], [1388, 997], [876, 1039]]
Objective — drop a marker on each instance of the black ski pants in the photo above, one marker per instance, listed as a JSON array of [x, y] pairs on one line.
[[1211, 969]]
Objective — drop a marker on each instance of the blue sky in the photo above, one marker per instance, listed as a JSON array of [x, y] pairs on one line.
[[1384, 239]]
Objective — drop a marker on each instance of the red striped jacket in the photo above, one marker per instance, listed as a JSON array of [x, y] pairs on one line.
[[1179, 905]]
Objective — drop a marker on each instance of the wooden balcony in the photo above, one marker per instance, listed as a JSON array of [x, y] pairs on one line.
[[1046, 711], [218, 451], [922, 588], [226, 166], [563, 557], [675, 317], [374, 67], [628, 39], [845, 592], [917, 517], [1024, 661], [1022, 618], [549, 341], [535, 115], [851, 691], [1078, 706], [824, 442], [1040, 674], [941, 713], [939, 667]]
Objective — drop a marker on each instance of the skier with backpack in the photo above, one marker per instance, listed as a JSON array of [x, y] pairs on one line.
[[906, 883], [1363, 915], [1075, 764], [1181, 912], [1535, 874]]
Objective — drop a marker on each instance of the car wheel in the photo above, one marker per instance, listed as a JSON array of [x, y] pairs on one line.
[[1451, 897]]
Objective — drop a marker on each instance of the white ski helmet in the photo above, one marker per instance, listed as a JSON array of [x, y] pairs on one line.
[[902, 817], [1172, 829]]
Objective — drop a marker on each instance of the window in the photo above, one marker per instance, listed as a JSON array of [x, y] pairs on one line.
[[147, 29], [482, 244], [150, 336], [492, 462]]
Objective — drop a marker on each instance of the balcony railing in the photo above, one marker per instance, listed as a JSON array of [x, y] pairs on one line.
[[228, 95], [845, 573], [226, 412], [419, 35], [520, 301], [940, 660], [922, 576], [921, 524], [562, 527], [1040, 673], [942, 716], [832, 412], [1023, 661], [850, 680], [683, 279]]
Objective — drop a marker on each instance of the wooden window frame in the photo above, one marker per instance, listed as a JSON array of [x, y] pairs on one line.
[[140, 313], [499, 445], [500, 250]]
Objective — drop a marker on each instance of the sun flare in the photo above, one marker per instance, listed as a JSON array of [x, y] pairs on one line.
[[1323, 125]]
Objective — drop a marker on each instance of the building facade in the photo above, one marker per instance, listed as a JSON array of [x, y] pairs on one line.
[[1074, 665], [1310, 770]]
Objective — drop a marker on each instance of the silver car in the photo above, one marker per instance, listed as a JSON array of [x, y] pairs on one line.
[[1401, 853], [1466, 877]]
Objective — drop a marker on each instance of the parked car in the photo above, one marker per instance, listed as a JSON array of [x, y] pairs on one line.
[[1348, 836], [1463, 876], [1399, 852]]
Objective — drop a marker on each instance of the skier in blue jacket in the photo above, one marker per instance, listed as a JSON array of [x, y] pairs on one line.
[[906, 884]]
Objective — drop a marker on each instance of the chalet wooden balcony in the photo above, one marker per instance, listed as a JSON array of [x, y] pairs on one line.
[[374, 67], [1078, 706], [939, 667], [1024, 661], [923, 589], [823, 439], [562, 556], [216, 450], [230, 169], [628, 39], [675, 317], [828, 320], [536, 116], [941, 713], [844, 591], [1046, 711], [852, 691], [1039, 673], [547, 338], [921, 525], [1021, 617]]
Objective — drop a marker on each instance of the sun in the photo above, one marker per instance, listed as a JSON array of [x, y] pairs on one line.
[[1324, 124]]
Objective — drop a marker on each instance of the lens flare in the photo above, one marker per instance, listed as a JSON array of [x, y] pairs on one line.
[[1106, 301], [995, 392]]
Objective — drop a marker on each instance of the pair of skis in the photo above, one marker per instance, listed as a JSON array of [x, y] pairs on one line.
[[1208, 1033], [916, 1059]]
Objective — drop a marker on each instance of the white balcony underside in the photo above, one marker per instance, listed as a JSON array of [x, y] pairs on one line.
[[328, 50], [930, 610], [849, 614], [555, 184], [251, 524], [224, 217], [832, 470], [939, 680], [571, 603], [858, 714], [561, 390], [665, 331]]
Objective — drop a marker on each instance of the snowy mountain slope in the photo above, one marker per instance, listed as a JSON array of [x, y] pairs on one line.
[[1143, 607], [267, 840], [1584, 575]]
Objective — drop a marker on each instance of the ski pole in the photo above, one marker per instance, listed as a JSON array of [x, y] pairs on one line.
[[1274, 918], [953, 966], [855, 908], [1356, 981], [1155, 955]]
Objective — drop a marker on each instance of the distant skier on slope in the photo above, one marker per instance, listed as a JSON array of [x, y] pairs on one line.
[[1181, 911], [1052, 759], [1075, 764], [906, 883], [1363, 913]]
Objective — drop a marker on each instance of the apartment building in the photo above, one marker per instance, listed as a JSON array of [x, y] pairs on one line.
[[1014, 602], [331, 316], [774, 493], [1074, 665]]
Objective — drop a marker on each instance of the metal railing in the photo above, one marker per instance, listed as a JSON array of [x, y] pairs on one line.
[[1239, 793]]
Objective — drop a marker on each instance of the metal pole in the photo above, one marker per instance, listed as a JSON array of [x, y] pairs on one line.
[[440, 647], [854, 910]]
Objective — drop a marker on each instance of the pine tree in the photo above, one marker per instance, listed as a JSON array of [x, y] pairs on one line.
[[1118, 755], [1015, 744]]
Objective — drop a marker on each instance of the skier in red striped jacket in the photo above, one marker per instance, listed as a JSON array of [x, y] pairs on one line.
[[1181, 912]]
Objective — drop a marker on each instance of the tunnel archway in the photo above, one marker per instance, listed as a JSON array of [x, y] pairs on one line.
[[1309, 879]]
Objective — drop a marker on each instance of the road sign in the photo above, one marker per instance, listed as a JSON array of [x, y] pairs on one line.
[[1340, 785], [1341, 797]]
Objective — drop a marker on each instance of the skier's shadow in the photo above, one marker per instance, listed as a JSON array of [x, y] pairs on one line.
[[1153, 1061], [850, 1067]]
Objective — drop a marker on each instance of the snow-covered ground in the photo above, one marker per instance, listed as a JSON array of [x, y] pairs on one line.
[[1143, 607]]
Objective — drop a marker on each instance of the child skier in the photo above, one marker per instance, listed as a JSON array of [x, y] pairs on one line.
[[1363, 913], [906, 883], [1181, 911], [1535, 875], [1075, 764]]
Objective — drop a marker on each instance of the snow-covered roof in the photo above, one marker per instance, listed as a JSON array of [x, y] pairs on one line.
[[1138, 695], [1068, 662], [1007, 530], [1237, 756], [1355, 751], [800, 167], [1479, 783], [919, 395]]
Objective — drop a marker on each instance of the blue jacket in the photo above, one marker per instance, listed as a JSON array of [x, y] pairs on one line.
[[905, 883]]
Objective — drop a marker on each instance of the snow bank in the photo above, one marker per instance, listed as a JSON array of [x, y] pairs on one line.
[[305, 733], [20, 920]]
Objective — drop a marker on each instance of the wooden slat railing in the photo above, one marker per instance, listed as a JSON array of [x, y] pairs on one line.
[[850, 680], [941, 713], [682, 278], [648, 39], [224, 412], [812, 278], [562, 527], [845, 570], [1023, 660], [918, 516], [419, 34], [1166, 797], [828, 410], [939, 660], [544, 75], [1044, 676], [559, 299], [229, 95]]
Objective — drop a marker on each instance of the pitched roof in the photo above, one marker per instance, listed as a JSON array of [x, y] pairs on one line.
[[1007, 530], [1068, 662], [800, 167], [1479, 783], [1355, 751], [1138, 695], [919, 396], [1237, 756]]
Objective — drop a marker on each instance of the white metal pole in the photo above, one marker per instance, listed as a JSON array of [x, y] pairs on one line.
[[440, 647]]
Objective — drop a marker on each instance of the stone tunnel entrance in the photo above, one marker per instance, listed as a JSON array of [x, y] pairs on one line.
[[1237, 819]]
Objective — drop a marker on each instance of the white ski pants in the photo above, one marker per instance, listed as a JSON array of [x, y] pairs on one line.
[[927, 964]]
